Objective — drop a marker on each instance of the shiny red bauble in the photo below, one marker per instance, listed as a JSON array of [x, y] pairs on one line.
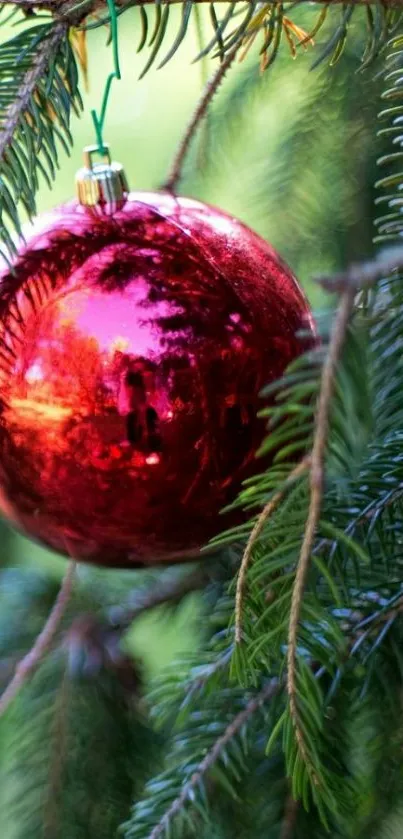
[[132, 352]]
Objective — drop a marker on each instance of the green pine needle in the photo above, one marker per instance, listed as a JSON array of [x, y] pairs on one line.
[[38, 93]]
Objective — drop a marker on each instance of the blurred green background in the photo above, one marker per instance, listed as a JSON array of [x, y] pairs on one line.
[[290, 152]]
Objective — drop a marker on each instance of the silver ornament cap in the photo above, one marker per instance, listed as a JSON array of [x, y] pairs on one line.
[[101, 186]]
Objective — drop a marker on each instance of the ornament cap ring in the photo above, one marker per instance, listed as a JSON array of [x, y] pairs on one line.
[[101, 186], [90, 151]]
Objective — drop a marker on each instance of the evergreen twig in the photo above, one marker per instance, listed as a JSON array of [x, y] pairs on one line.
[[268, 510], [29, 83], [208, 672], [200, 112], [316, 492], [170, 591], [268, 692], [364, 274], [43, 641], [38, 93]]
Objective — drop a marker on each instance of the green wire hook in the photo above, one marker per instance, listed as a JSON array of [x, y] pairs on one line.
[[99, 121]]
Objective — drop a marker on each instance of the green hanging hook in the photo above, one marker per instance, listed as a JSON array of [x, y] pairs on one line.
[[99, 121]]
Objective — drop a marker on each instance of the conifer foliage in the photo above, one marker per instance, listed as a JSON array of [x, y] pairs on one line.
[[285, 721]]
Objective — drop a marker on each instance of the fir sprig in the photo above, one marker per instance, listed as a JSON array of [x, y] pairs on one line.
[[77, 747], [242, 23], [39, 79], [345, 555], [389, 225], [42, 643], [212, 724], [317, 477], [38, 93], [221, 757]]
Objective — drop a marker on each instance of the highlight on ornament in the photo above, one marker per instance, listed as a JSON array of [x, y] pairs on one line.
[[134, 346]]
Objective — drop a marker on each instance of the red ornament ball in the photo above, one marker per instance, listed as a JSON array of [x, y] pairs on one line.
[[132, 352]]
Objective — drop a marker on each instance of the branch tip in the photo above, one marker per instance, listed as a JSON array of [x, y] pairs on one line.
[[44, 640], [267, 511], [316, 491]]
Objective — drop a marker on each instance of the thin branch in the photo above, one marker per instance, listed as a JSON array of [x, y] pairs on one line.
[[364, 274], [316, 491], [371, 511], [361, 631], [43, 641], [171, 591], [267, 511], [207, 672], [200, 112], [390, 613], [289, 818], [214, 754], [31, 78]]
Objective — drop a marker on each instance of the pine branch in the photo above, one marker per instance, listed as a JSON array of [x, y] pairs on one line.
[[30, 122], [268, 692], [389, 225], [38, 92], [200, 112], [170, 591], [77, 748], [350, 628], [198, 674], [264, 516], [364, 274], [316, 494], [29, 84], [385, 614], [44, 640]]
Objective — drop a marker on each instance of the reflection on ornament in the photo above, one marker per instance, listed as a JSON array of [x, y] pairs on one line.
[[132, 352]]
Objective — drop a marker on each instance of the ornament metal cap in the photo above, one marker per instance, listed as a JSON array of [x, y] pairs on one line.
[[101, 186]]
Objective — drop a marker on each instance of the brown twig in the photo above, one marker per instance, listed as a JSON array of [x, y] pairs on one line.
[[289, 818], [213, 755], [42, 643], [200, 112], [267, 511], [316, 491], [364, 274]]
